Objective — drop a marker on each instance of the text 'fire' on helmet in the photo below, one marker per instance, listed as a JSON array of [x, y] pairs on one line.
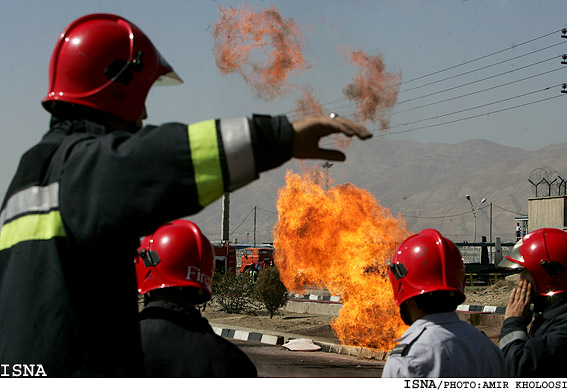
[[177, 254]]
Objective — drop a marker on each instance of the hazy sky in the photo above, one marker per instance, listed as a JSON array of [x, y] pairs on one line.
[[499, 53]]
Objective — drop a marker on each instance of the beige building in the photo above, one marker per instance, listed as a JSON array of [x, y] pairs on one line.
[[547, 212]]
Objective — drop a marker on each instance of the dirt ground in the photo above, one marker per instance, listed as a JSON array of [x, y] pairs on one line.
[[318, 326], [312, 325]]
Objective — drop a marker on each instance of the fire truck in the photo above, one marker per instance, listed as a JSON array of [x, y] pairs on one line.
[[225, 258], [254, 256]]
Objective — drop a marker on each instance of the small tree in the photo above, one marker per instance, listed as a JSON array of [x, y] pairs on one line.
[[233, 292], [270, 290]]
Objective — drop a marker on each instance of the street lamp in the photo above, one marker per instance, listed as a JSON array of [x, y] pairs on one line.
[[474, 212]]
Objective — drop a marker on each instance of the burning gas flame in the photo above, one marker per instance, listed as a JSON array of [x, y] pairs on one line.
[[308, 104], [242, 32], [340, 237], [374, 91]]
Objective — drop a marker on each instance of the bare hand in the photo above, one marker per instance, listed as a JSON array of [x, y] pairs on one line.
[[310, 130], [519, 302]]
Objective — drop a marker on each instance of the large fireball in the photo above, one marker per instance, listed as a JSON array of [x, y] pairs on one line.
[[341, 238]]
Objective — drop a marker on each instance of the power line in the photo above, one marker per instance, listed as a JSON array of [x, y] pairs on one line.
[[248, 215], [455, 66], [477, 81], [506, 210], [477, 92], [467, 118], [458, 214], [483, 57], [482, 68], [471, 108], [435, 217], [388, 133], [469, 84]]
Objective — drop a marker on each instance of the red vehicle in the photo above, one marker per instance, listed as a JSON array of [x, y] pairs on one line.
[[225, 258], [254, 256]]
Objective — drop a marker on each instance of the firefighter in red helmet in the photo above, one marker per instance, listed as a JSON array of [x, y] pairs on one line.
[[428, 281], [542, 256], [175, 267], [98, 181]]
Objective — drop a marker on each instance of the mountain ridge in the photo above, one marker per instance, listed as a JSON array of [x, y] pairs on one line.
[[426, 183]]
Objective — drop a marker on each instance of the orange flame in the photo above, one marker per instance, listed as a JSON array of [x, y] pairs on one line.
[[340, 238], [374, 91], [240, 32], [308, 105]]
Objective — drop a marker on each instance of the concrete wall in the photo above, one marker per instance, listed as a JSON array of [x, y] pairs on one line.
[[307, 307], [547, 212]]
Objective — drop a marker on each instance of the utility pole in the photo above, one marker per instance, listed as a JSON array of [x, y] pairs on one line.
[[326, 166], [254, 227], [474, 212], [225, 218]]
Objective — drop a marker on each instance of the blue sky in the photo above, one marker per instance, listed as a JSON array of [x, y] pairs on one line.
[[416, 38]]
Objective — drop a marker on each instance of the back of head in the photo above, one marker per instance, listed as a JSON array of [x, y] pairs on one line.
[[543, 253], [176, 255], [430, 265], [107, 63]]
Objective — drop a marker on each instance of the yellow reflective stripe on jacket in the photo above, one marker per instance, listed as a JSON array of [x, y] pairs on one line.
[[204, 147], [31, 227]]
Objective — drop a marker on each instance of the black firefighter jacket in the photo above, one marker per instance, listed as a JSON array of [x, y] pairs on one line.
[[71, 221], [178, 342], [542, 352]]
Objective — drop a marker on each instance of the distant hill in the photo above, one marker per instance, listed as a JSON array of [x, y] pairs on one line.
[[425, 182]]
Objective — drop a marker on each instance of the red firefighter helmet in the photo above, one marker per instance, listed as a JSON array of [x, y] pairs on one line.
[[177, 254], [543, 253], [105, 62], [426, 262]]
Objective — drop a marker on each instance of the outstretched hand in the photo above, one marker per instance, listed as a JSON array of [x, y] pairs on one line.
[[519, 302], [310, 130]]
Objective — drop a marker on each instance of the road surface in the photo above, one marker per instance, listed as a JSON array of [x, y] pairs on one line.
[[277, 361]]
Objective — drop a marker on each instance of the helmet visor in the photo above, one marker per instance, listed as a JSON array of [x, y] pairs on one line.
[[514, 259], [168, 77]]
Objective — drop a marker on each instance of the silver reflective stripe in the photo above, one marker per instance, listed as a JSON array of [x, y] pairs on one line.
[[32, 199], [513, 336], [237, 144]]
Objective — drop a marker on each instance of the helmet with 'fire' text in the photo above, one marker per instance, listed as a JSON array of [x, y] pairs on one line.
[[543, 253], [105, 62], [426, 262], [177, 254]]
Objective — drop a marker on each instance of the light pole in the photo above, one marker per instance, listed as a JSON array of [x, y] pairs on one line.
[[474, 212]]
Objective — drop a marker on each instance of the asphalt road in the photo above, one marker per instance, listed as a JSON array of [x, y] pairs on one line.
[[277, 361]]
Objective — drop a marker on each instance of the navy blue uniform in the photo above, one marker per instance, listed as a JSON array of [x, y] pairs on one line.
[[541, 352], [71, 221], [178, 342]]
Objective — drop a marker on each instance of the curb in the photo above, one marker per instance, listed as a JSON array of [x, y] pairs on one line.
[[316, 298], [250, 336], [481, 308], [274, 339], [337, 300]]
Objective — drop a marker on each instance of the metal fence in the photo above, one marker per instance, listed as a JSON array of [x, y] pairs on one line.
[[472, 252]]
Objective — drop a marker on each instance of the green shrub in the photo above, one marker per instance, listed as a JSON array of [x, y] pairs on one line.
[[233, 292], [270, 290]]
